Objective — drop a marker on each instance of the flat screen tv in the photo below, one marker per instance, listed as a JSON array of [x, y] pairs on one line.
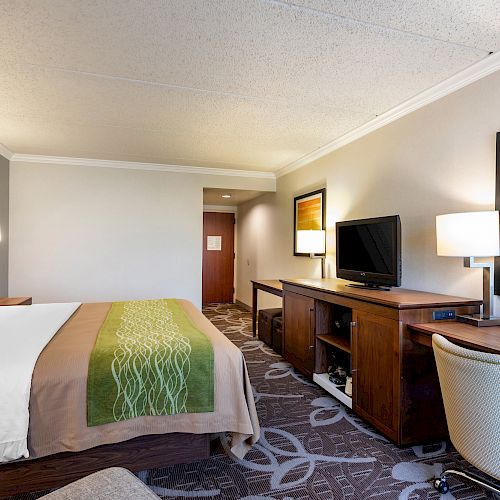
[[369, 251]]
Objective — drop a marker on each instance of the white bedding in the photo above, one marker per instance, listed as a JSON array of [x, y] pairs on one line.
[[24, 332]]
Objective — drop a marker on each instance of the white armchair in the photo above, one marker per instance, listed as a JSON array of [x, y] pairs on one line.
[[470, 386]]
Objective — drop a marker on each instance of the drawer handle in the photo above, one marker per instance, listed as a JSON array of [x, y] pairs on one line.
[[311, 330], [352, 326]]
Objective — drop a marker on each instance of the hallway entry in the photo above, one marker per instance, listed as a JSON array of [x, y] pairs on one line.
[[218, 257]]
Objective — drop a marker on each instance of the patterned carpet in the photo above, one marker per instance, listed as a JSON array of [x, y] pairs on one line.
[[311, 446]]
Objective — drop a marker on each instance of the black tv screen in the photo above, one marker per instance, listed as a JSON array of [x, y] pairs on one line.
[[369, 250]]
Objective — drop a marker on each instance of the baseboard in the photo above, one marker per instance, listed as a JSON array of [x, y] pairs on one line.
[[243, 305]]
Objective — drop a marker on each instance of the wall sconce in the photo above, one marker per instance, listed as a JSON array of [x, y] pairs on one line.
[[312, 242], [470, 235]]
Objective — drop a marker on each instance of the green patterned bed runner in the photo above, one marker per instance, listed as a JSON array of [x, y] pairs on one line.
[[149, 359]]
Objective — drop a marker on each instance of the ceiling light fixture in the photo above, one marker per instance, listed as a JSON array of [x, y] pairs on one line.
[[226, 196]]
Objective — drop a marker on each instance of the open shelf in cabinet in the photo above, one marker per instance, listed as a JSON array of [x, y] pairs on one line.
[[339, 342], [322, 380], [333, 337], [333, 324], [333, 347]]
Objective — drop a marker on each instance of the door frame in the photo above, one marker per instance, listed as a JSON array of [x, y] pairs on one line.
[[230, 209]]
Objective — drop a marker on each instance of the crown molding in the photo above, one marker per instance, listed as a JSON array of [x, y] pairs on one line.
[[5, 152], [475, 72], [159, 167]]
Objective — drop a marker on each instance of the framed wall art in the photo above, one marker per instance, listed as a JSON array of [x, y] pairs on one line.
[[309, 213]]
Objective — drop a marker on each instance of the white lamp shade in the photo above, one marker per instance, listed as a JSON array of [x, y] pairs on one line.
[[468, 234], [311, 241]]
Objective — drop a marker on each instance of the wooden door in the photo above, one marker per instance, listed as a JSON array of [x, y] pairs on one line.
[[218, 257], [375, 361], [298, 332]]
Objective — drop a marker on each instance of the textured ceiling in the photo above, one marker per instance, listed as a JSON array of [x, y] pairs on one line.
[[245, 84]]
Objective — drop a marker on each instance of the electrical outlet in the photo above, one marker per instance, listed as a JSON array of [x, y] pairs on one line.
[[441, 315]]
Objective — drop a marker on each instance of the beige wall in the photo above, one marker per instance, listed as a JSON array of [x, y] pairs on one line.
[[439, 159], [4, 225], [92, 234]]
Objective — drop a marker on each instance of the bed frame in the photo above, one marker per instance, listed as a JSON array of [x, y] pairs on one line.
[[144, 452]]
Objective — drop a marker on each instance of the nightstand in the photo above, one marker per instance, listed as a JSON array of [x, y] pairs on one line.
[[16, 301]]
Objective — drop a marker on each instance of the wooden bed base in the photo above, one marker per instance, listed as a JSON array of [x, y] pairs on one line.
[[144, 452]]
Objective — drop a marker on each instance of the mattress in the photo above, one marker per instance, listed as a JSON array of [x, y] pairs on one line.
[[58, 404]]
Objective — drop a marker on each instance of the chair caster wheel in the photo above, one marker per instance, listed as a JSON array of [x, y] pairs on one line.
[[441, 485]]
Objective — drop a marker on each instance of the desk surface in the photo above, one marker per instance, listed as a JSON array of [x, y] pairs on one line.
[[15, 301], [275, 285], [485, 338], [399, 298]]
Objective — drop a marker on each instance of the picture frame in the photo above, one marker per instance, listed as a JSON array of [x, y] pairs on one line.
[[309, 212]]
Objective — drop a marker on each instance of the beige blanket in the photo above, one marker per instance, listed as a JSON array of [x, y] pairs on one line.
[[58, 418]]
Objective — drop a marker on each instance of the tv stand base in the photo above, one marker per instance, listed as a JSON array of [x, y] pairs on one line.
[[368, 286]]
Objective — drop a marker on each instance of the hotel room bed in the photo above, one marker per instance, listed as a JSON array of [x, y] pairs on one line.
[[58, 400]]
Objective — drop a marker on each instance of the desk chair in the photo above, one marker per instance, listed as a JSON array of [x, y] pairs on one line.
[[470, 385]]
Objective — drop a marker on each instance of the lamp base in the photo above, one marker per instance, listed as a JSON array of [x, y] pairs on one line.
[[478, 320]]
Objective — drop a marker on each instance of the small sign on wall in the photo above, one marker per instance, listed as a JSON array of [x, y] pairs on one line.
[[214, 243]]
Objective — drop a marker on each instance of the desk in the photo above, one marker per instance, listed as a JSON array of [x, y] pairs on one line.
[[485, 338], [270, 286]]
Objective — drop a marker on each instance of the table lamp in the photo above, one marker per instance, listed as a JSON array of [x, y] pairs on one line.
[[312, 241], [470, 235]]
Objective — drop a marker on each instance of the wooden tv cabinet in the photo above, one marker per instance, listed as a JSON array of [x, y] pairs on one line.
[[395, 384]]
